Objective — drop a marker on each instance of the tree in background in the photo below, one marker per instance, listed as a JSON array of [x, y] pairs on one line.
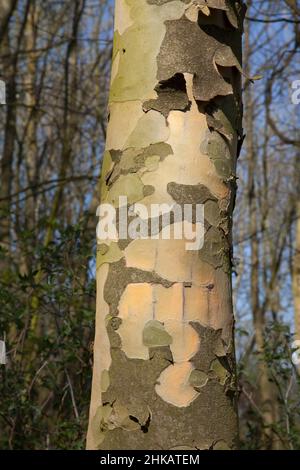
[[264, 241], [54, 59]]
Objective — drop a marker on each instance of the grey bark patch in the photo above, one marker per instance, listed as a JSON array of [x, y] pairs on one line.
[[212, 213], [148, 190], [209, 338], [216, 249], [191, 48], [201, 422], [189, 194], [219, 4], [115, 155], [131, 160], [172, 95], [215, 360]]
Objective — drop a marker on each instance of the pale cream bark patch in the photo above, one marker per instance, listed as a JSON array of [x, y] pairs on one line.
[[141, 303], [135, 310], [185, 342], [174, 308], [102, 361], [173, 385], [123, 19], [151, 127], [123, 120], [115, 66], [138, 83], [170, 260], [188, 165]]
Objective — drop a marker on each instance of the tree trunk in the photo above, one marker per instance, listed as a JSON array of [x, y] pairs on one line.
[[164, 366], [296, 275]]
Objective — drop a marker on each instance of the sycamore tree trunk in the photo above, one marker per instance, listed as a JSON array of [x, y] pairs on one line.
[[164, 365], [296, 275], [296, 258]]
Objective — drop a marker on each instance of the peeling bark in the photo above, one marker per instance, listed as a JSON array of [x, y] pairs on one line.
[[296, 276], [164, 371]]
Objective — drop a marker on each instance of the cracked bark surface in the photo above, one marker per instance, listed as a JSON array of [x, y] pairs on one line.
[[164, 365]]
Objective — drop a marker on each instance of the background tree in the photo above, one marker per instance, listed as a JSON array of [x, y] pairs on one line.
[[55, 59], [269, 175]]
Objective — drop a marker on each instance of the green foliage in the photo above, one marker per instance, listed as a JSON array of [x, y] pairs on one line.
[[283, 375], [47, 304]]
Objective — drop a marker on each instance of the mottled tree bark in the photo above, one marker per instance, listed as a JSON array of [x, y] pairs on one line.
[[296, 260], [296, 275], [164, 365]]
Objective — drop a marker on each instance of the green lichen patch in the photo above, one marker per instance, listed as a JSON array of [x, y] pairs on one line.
[[99, 424], [152, 163], [219, 348], [111, 255], [127, 185], [218, 371], [223, 168], [132, 160], [217, 147], [104, 380], [138, 47], [221, 445], [102, 248], [107, 165], [137, 161], [155, 335], [198, 378], [151, 128]]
